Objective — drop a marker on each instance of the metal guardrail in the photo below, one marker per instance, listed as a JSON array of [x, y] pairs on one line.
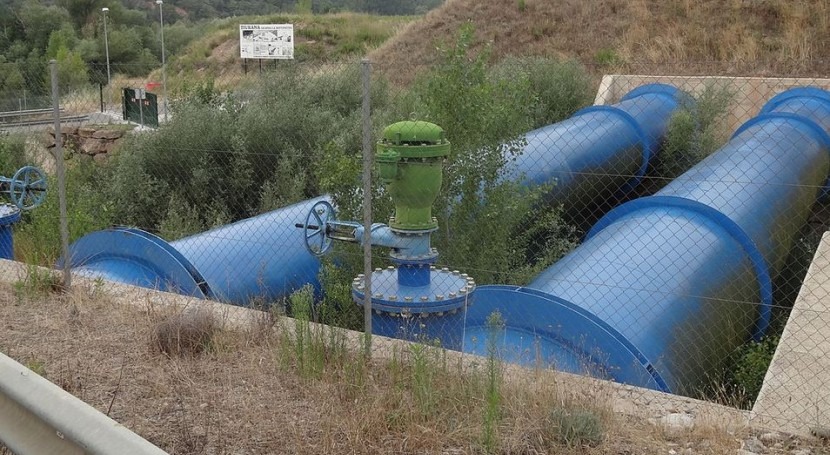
[[64, 120], [38, 417], [27, 113]]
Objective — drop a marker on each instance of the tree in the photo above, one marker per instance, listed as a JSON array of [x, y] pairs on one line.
[[38, 23], [72, 69]]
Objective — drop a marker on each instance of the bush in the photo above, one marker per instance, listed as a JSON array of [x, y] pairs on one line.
[[482, 214], [695, 132], [12, 153], [577, 427], [559, 88], [229, 156], [89, 209], [751, 366]]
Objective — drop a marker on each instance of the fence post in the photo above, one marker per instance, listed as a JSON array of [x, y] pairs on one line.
[[366, 72], [61, 175]]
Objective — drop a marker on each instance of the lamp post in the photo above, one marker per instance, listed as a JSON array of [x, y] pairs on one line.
[[104, 11], [160, 3]]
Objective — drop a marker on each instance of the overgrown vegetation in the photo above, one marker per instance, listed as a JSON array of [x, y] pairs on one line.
[[695, 131]]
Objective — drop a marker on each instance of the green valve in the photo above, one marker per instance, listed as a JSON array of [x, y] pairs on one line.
[[410, 162]]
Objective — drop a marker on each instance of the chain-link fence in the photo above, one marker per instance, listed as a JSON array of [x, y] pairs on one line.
[[656, 231]]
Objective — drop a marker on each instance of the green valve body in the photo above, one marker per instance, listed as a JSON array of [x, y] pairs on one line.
[[410, 162]]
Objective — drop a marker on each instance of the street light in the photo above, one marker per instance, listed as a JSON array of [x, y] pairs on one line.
[[104, 11], [160, 3]]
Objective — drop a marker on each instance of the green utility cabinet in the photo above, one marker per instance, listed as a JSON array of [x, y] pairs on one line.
[[140, 106]]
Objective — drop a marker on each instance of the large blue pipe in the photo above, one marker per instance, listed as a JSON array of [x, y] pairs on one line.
[[601, 151], [263, 257], [665, 287], [593, 154], [9, 215]]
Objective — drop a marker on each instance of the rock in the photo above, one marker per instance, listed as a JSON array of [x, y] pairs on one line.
[[65, 130], [675, 423], [771, 437], [802, 452], [92, 146], [108, 134], [754, 444], [745, 452], [86, 132]]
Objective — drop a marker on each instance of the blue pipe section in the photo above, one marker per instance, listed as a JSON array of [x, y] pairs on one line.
[[664, 288], [263, 257], [9, 215], [594, 153], [601, 151]]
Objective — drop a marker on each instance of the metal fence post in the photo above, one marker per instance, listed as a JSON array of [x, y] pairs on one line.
[[61, 175], [366, 71]]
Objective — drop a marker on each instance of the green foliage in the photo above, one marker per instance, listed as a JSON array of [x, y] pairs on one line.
[[226, 162], [607, 58], [577, 427], [314, 349], [559, 88], [71, 70], [12, 153], [751, 366], [788, 283], [485, 113], [337, 307], [303, 7], [493, 395], [522, 5], [37, 283], [88, 209], [695, 132]]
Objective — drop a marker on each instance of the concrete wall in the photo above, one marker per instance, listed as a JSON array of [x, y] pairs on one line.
[[750, 92]]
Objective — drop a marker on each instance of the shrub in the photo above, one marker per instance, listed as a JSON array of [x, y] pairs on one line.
[[185, 334], [484, 113], [88, 207], [751, 366], [695, 132], [558, 88], [607, 58], [229, 156], [577, 427], [12, 153]]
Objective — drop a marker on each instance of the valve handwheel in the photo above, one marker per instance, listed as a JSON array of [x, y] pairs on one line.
[[315, 230], [27, 188]]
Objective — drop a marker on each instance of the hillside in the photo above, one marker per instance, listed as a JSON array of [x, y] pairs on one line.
[[325, 38], [738, 37]]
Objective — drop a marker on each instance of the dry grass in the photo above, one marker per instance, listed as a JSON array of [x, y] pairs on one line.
[[258, 390], [185, 334], [736, 37]]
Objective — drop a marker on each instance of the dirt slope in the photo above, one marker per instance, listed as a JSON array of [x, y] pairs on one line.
[[748, 37]]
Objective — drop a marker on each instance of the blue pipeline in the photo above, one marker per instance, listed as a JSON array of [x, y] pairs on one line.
[[665, 287], [263, 257], [601, 151], [9, 215]]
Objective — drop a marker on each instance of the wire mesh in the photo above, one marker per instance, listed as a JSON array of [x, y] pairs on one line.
[[656, 231]]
